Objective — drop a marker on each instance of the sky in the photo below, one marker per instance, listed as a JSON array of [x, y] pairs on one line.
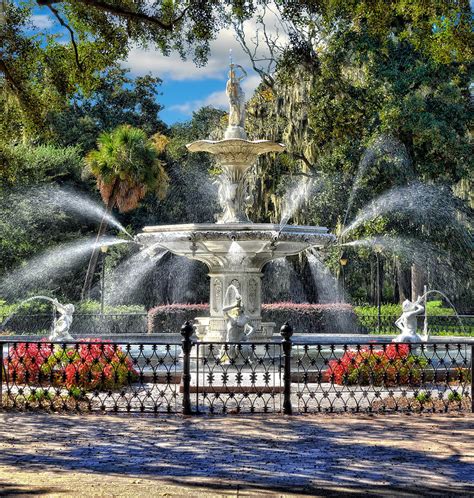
[[185, 87]]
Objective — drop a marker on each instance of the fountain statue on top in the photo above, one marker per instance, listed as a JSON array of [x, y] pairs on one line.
[[407, 323], [236, 103], [234, 248], [235, 154]]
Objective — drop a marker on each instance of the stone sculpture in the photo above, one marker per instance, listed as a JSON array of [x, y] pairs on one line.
[[236, 103], [238, 327], [234, 248], [407, 323], [62, 324]]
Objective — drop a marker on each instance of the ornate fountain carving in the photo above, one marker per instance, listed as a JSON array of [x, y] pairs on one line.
[[234, 248], [235, 154]]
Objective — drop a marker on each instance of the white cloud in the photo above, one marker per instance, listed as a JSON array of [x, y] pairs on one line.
[[42, 21], [172, 67], [216, 99]]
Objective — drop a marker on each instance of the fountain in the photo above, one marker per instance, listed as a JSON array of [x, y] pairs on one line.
[[234, 249], [60, 326]]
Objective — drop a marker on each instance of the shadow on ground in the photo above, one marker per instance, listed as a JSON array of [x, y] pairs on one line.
[[365, 455]]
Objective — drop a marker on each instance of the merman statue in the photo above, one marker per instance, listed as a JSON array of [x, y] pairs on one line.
[[62, 324], [238, 327], [407, 323]]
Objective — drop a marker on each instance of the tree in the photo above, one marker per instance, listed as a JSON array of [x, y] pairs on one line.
[[117, 99], [383, 101], [40, 72], [126, 165]]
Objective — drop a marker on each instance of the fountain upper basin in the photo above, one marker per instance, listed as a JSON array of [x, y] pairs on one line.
[[235, 244]]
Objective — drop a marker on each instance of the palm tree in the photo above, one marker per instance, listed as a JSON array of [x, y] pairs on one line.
[[127, 167]]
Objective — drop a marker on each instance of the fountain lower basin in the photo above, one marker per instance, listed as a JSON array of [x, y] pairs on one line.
[[235, 254]]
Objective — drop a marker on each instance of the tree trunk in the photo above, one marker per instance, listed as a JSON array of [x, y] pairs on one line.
[[381, 277], [373, 296], [404, 282], [396, 287], [86, 289], [418, 281]]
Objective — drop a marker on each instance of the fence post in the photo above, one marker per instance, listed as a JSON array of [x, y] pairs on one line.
[[1, 373], [286, 332], [187, 331], [472, 378]]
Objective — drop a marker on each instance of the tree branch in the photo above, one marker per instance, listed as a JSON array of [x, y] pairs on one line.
[[302, 157], [71, 32], [120, 11], [9, 77]]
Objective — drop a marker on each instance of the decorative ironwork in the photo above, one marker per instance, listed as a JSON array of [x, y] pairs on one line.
[[238, 377], [91, 375], [383, 377], [285, 376]]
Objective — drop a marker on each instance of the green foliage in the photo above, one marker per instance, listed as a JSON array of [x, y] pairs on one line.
[[93, 307], [25, 164], [433, 308], [23, 212], [31, 307], [126, 166], [423, 397], [454, 396], [40, 395], [117, 99], [185, 203]]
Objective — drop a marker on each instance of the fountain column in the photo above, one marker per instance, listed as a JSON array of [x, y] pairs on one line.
[[249, 286]]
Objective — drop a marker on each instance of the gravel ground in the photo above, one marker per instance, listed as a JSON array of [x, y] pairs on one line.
[[138, 455]]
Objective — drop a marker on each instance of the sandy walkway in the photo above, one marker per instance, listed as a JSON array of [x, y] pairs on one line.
[[128, 455]]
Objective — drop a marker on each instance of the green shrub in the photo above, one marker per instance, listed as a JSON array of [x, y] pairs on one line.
[[40, 395], [94, 307], [433, 308], [423, 397], [454, 396]]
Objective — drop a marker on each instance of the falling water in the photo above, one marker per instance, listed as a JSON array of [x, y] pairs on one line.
[[329, 291], [43, 200], [52, 264], [424, 203], [295, 196], [417, 252], [236, 254], [325, 282], [179, 280], [384, 146], [281, 283], [124, 283]]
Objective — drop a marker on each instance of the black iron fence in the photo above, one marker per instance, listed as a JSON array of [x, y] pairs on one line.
[[109, 324], [284, 376]]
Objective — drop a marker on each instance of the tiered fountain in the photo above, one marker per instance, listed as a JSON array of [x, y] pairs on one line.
[[234, 249]]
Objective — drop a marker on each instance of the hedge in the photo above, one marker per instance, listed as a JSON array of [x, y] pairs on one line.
[[304, 318]]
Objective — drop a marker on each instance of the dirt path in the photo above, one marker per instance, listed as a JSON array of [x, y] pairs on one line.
[[91, 455]]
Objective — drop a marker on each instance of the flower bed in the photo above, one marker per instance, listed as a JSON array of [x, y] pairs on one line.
[[304, 318], [90, 364], [391, 366]]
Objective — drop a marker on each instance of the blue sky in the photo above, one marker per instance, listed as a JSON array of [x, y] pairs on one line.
[[185, 87]]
